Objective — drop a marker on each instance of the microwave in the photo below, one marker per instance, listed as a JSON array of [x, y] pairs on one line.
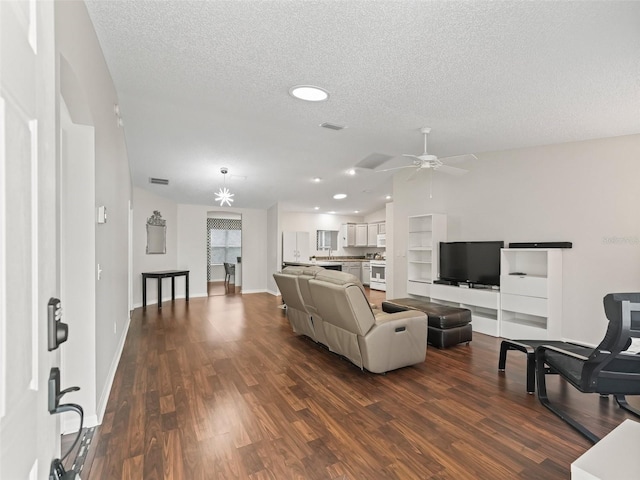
[[381, 240]]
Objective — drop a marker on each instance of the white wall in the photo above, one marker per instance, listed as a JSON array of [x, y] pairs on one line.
[[76, 41], [274, 247], [584, 192], [192, 247], [77, 264], [187, 246], [378, 216], [390, 248], [144, 204]]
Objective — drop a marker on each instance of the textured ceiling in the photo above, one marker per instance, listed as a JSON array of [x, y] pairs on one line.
[[204, 85]]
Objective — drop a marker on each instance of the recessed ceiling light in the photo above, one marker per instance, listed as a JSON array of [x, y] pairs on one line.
[[388, 197], [340, 196], [332, 212], [351, 171], [356, 211], [309, 93], [317, 179], [316, 208]]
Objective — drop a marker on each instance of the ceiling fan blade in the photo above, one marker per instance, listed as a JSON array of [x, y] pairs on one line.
[[451, 170], [395, 168], [459, 158], [411, 156]]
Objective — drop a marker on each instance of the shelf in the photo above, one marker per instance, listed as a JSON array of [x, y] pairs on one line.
[[524, 304], [422, 289], [486, 313], [486, 325], [518, 325], [483, 304]]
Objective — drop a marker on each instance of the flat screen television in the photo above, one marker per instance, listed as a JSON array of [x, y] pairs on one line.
[[471, 262]]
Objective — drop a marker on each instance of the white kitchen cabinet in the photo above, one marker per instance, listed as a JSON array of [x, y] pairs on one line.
[[354, 268], [366, 273], [361, 234], [382, 228], [372, 234], [348, 234], [295, 247], [531, 293]]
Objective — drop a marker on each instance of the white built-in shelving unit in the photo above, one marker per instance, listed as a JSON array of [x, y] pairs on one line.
[[531, 293], [528, 304], [425, 234]]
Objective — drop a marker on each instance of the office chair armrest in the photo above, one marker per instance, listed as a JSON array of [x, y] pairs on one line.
[[577, 356]]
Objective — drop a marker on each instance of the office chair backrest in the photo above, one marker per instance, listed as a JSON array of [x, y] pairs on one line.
[[623, 312]]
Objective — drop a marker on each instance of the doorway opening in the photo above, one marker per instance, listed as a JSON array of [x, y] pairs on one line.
[[224, 253]]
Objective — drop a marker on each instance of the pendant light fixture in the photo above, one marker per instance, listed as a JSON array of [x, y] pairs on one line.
[[224, 195]]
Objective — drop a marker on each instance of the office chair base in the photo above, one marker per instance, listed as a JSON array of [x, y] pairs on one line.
[[621, 400]]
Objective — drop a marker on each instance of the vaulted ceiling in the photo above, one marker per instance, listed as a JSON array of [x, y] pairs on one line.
[[204, 85]]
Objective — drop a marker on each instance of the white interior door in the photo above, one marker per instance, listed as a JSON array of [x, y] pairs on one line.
[[29, 435]]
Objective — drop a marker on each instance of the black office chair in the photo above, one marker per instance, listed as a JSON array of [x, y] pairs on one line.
[[608, 369], [229, 271]]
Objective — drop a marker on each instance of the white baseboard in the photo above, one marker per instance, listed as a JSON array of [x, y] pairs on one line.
[[274, 293], [248, 292], [71, 422], [168, 299], [104, 398]]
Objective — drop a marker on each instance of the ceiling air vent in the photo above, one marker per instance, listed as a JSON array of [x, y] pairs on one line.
[[332, 126], [373, 161], [159, 181]]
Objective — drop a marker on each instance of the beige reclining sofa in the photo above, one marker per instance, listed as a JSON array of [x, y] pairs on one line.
[[331, 308]]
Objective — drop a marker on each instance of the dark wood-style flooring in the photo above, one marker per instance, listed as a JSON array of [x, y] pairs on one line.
[[221, 388]]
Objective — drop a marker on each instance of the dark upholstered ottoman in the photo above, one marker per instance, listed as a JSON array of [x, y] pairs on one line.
[[448, 326]]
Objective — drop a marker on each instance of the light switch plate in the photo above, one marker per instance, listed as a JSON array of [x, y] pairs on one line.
[[102, 214]]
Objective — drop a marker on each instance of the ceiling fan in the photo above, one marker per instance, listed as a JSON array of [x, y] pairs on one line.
[[426, 160]]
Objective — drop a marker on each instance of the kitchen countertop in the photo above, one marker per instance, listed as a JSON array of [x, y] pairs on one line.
[[312, 264], [323, 263]]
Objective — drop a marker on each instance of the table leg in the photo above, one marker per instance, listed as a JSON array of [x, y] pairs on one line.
[[144, 292], [159, 292], [173, 289], [187, 286]]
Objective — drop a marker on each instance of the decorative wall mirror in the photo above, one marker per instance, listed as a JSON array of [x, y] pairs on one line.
[[156, 233]]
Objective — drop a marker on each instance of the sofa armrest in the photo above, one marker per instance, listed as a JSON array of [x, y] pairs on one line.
[[403, 315], [396, 340], [393, 308]]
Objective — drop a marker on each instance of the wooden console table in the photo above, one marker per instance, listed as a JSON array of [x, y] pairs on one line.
[[160, 275]]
